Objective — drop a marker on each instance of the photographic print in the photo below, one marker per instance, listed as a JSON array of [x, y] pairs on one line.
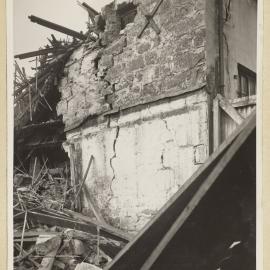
[[134, 126]]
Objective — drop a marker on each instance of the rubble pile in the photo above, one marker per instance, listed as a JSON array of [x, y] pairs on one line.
[[48, 192], [56, 248], [45, 235]]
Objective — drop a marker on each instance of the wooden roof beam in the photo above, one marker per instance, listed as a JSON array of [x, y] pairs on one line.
[[57, 27], [38, 52]]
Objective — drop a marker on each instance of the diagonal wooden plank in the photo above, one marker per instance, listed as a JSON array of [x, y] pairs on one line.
[[49, 218], [229, 109], [216, 123], [150, 21], [56, 27]]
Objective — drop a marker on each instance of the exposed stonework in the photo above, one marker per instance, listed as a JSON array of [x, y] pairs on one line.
[[132, 71], [142, 154]]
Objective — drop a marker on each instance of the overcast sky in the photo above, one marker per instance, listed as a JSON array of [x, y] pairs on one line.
[[30, 36]]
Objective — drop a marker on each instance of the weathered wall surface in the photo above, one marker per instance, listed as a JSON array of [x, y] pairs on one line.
[[79, 88], [143, 157], [147, 150], [129, 70], [240, 41]]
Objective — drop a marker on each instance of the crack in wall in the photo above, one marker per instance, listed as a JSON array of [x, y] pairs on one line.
[[111, 162], [164, 167], [114, 152], [170, 131]]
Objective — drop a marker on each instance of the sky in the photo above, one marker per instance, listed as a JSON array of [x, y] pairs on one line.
[[30, 36]]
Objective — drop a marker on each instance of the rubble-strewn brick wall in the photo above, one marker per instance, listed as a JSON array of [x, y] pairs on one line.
[[129, 70]]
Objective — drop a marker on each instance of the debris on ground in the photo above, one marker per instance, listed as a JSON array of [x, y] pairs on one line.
[[48, 235]]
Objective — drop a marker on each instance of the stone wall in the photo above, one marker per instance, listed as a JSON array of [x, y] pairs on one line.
[[142, 157], [124, 70], [140, 106]]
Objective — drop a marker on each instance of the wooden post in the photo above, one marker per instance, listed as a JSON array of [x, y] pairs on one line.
[[72, 170], [36, 75], [84, 178], [216, 123], [75, 170]]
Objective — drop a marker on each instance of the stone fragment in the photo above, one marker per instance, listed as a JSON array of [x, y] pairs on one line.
[[102, 86], [151, 58], [106, 60], [136, 63], [143, 47], [118, 46], [62, 107]]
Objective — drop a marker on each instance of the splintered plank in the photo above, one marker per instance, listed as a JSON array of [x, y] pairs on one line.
[[42, 75], [57, 27], [52, 219], [38, 52], [48, 260]]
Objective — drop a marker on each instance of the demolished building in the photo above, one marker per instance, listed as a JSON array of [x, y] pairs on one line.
[[124, 115]]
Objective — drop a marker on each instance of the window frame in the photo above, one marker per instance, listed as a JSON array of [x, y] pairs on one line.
[[250, 76]]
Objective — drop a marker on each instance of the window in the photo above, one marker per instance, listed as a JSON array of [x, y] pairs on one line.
[[247, 81]]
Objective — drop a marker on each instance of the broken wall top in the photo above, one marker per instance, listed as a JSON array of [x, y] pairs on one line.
[[122, 70]]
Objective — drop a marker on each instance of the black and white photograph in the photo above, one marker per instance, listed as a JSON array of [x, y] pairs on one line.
[[134, 143]]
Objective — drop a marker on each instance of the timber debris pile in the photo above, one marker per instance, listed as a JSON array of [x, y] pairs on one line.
[[50, 232], [41, 217], [49, 235]]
